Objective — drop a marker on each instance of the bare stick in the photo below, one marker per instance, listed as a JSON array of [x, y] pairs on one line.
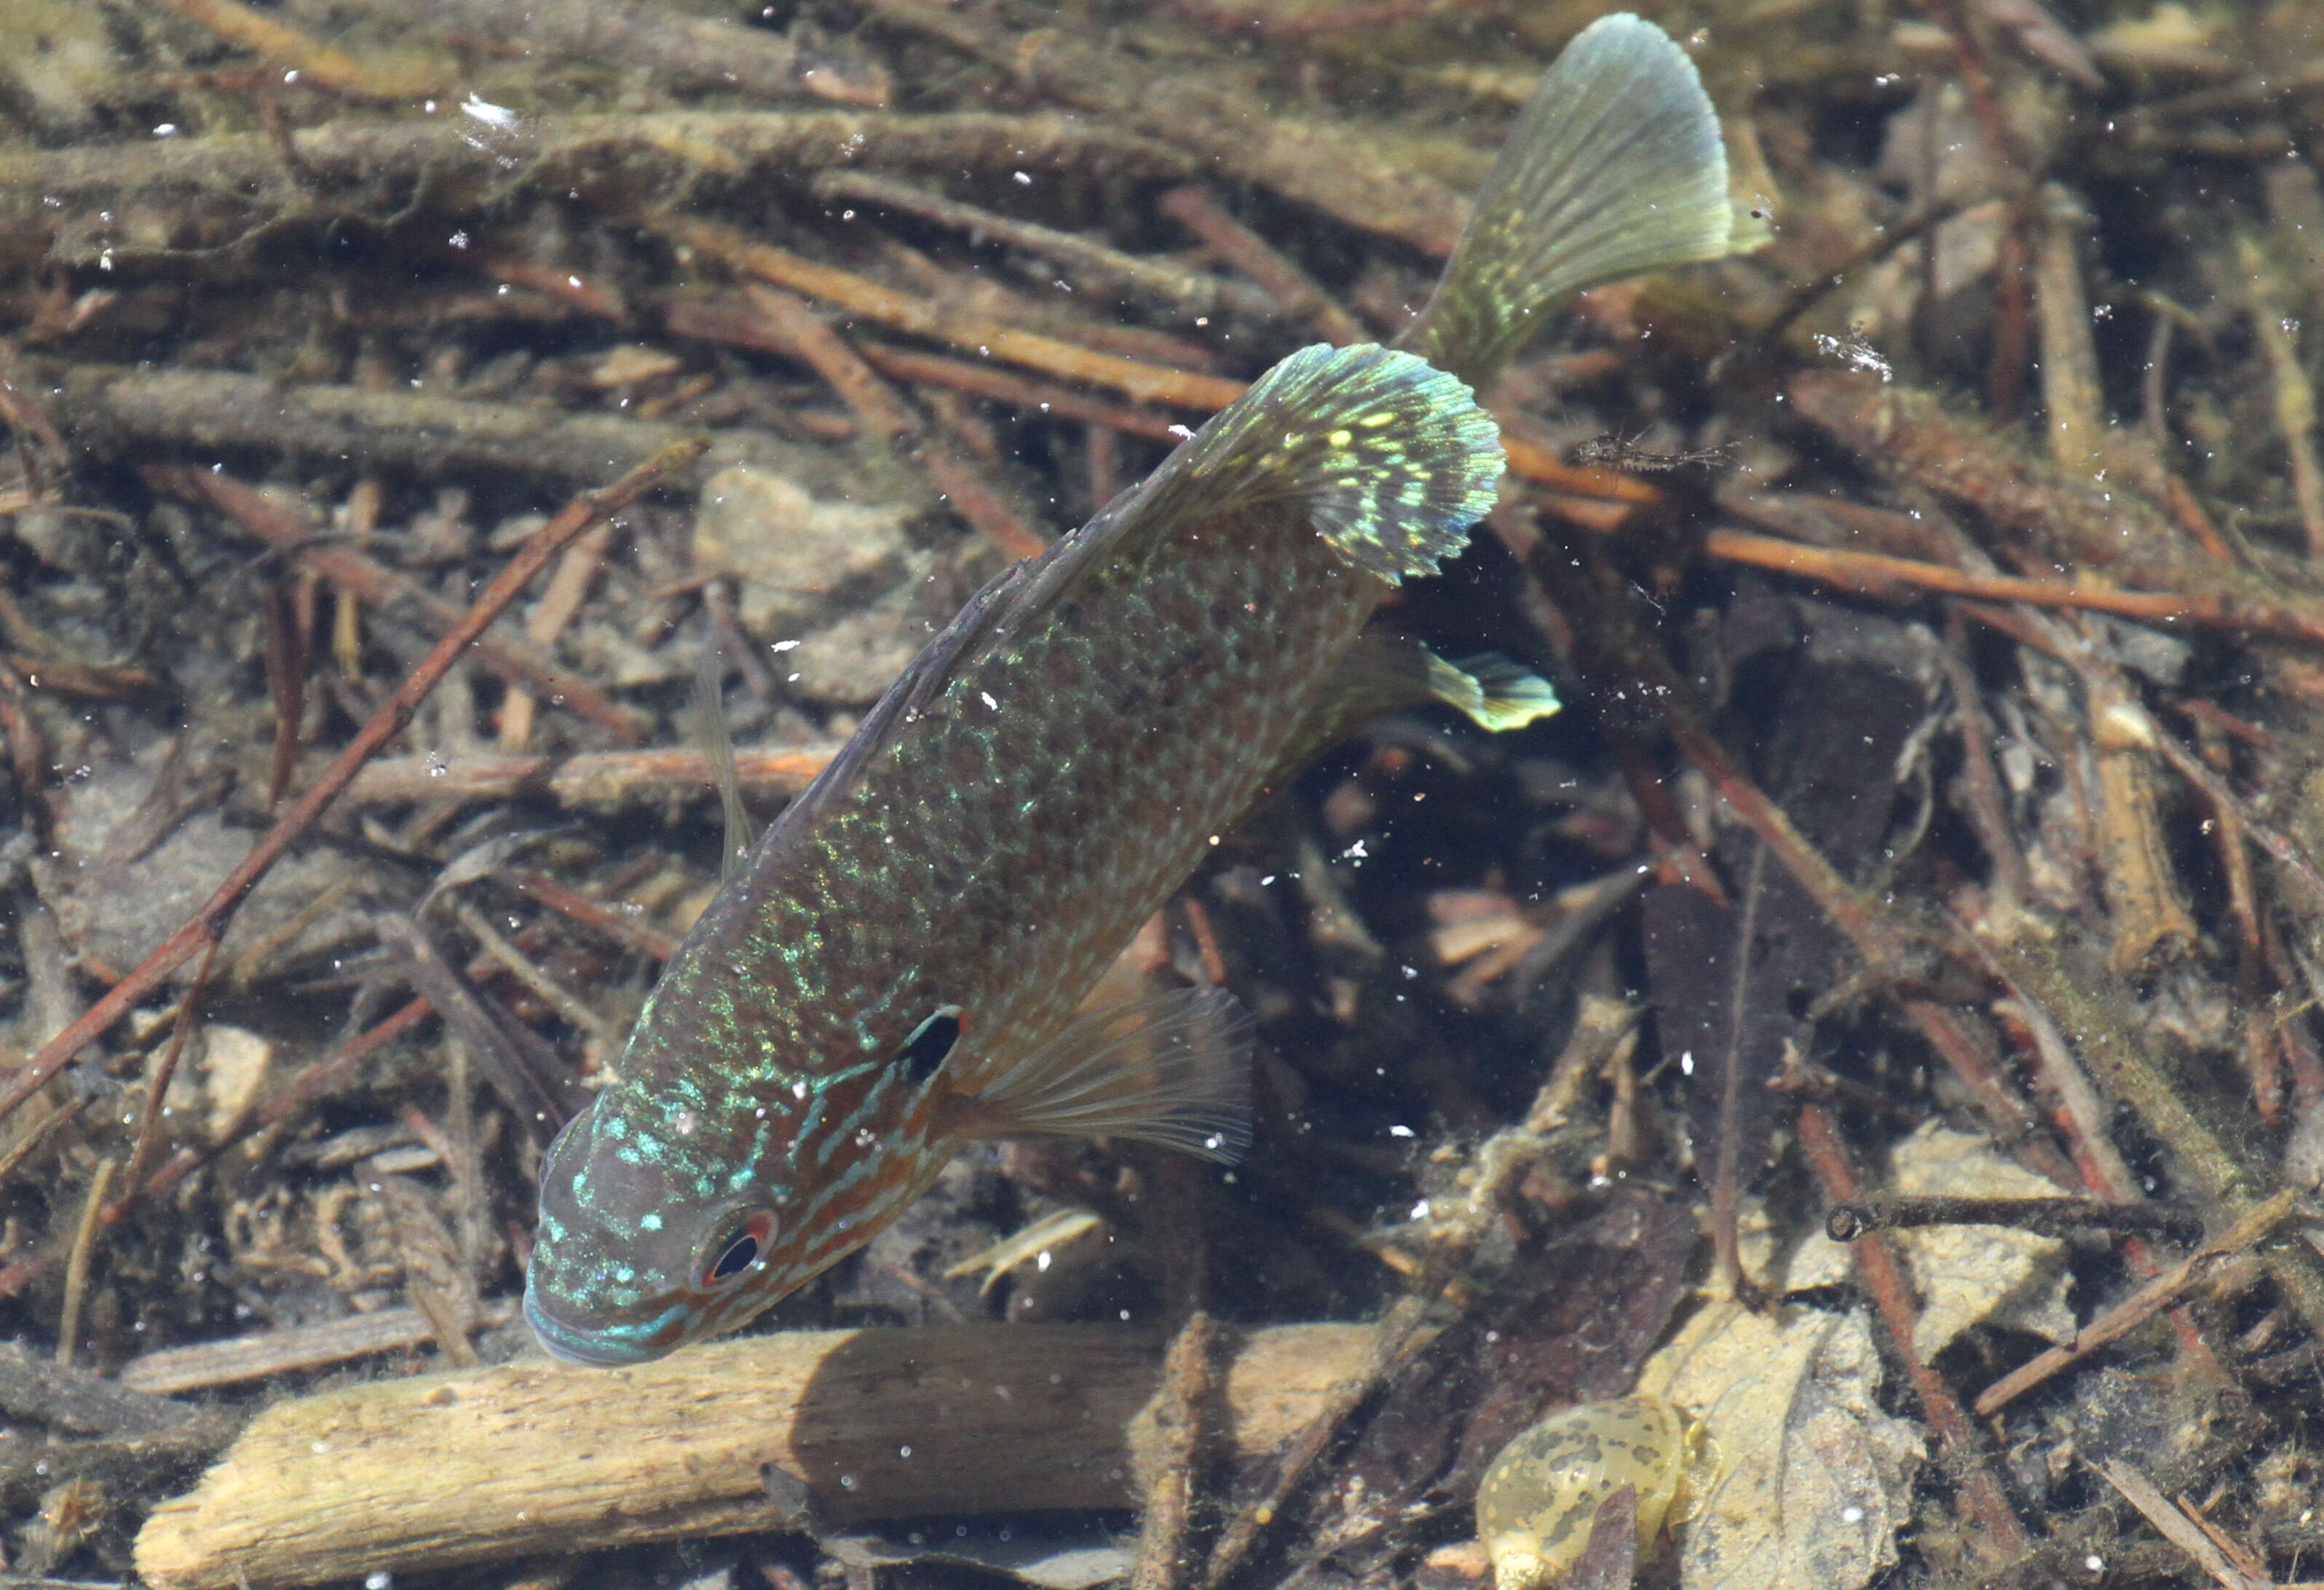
[[599, 780], [536, 1458]]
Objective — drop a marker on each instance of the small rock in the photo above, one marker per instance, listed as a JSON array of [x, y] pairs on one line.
[[851, 661], [235, 1061], [800, 560], [117, 910]]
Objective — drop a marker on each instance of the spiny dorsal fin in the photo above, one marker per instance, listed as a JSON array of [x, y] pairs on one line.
[[1389, 459], [1615, 167]]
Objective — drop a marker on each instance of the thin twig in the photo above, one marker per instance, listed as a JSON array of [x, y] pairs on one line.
[[209, 919], [1997, 1534], [1292, 288], [84, 1241], [2141, 1306]]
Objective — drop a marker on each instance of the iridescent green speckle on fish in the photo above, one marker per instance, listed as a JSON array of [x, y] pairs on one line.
[[898, 967]]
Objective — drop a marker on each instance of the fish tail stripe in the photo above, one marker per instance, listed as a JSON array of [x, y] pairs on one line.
[[1390, 459], [1614, 166]]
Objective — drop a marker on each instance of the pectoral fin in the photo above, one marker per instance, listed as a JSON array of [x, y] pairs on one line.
[[1385, 673], [1172, 1070]]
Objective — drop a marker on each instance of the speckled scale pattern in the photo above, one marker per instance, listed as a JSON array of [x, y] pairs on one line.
[[1540, 1495], [1075, 739], [997, 849]]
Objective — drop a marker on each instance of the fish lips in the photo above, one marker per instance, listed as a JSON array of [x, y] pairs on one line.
[[594, 1346]]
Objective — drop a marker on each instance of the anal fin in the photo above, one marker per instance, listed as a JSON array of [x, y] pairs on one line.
[[1174, 1068]]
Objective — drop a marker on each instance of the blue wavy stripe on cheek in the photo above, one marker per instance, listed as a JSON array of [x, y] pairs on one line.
[[605, 1346]]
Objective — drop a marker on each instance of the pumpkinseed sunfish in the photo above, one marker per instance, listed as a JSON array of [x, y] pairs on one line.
[[898, 966]]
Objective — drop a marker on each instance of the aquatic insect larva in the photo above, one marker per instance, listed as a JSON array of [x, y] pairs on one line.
[[1540, 1495]]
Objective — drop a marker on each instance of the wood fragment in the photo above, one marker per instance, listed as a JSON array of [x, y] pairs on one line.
[[1181, 1412], [2072, 398], [536, 1458], [2294, 394], [2149, 920], [2177, 1527], [65, 1398]]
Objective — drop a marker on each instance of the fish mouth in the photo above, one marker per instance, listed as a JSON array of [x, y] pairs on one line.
[[595, 1348]]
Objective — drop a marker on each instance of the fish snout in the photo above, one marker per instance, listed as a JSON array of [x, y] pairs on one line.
[[599, 1347]]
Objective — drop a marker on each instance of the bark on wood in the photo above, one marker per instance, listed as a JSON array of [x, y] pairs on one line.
[[538, 1459]]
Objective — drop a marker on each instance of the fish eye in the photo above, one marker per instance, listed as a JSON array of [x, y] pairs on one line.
[[930, 1042], [737, 1247]]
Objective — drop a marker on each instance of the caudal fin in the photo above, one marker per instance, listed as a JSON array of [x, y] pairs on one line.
[[1615, 166]]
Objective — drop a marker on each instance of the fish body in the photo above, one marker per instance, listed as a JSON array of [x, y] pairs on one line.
[[899, 966]]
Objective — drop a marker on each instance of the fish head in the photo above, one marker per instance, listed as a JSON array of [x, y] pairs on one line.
[[659, 1227], [652, 1235]]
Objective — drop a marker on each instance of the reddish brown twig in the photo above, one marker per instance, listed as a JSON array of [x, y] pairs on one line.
[[209, 921], [622, 930], [872, 301], [1997, 1532], [384, 588], [1874, 574], [1293, 291], [883, 412]]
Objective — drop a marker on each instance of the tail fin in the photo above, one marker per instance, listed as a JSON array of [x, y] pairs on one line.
[[1615, 166], [1391, 460]]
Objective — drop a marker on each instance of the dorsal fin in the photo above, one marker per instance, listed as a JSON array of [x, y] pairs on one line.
[[1615, 167], [1390, 460]]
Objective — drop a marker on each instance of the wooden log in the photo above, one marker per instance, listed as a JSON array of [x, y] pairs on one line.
[[537, 1457]]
